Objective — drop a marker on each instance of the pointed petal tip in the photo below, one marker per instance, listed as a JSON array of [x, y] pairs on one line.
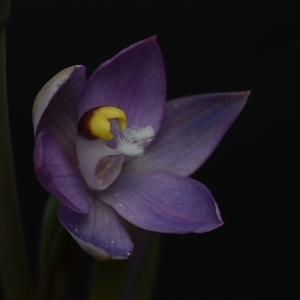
[[210, 227], [218, 222], [242, 96], [152, 38], [246, 94]]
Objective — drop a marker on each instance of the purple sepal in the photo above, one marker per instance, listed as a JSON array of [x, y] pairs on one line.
[[100, 233], [58, 175], [164, 203], [55, 107], [192, 128], [134, 80]]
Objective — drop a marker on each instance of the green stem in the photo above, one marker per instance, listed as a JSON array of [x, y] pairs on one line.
[[59, 256], [13, 264]]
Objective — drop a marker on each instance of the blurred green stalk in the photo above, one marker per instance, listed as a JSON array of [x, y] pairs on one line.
[[13, 264]]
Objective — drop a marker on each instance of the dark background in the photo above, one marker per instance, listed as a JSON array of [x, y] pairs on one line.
[[253, 174]]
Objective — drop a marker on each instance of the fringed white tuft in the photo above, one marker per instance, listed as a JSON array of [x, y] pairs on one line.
[[129, 147], [141, 135], [131, 144]]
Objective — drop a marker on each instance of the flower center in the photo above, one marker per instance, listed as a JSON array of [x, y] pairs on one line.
[[102, 136], [97, 124]]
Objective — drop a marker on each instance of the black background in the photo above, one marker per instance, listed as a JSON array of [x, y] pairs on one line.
[[253, 174]]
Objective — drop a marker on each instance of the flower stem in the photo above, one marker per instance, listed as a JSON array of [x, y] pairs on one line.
[[13, 264], [59, 255]]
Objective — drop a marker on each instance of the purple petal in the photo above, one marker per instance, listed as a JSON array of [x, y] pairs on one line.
[[100, 233], [164, 203], [99, 164], [58, 175], [191, 130], [134, 81], [55, 106]]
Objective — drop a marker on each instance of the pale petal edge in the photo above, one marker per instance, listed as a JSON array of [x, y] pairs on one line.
[[48, 91], [100, 233]]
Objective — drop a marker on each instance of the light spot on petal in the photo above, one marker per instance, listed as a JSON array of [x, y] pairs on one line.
[[103, 168], [100, 181]]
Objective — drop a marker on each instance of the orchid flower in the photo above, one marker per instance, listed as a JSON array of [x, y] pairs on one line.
[[112, 148]]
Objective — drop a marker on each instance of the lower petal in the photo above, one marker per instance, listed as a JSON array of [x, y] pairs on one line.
[[100, 233], [58, 175], [164, 203]]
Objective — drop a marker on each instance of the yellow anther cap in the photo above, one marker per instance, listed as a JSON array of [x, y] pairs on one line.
[[95, 122]]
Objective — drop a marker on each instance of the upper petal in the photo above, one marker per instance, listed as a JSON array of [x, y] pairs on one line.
[[163, 203], [134, 81], [192, 128], [57, 174], [55, 107], [100, 233]]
